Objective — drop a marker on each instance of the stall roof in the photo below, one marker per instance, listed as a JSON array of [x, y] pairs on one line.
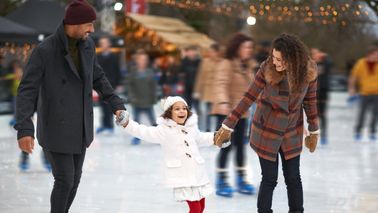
[[42, 15], [13, 32], [173, 30]]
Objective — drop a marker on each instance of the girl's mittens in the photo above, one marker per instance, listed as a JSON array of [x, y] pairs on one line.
[[123, 118]]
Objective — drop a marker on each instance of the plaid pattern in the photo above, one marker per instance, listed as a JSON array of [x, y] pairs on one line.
[[278, 120]]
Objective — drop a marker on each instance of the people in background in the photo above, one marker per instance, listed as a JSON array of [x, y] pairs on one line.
[[141, 87], [110, 64], [365, 75]]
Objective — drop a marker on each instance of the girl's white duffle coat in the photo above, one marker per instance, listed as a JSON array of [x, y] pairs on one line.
[[184, 166]]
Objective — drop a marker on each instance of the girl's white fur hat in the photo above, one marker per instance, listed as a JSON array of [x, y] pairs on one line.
[[170, 100]]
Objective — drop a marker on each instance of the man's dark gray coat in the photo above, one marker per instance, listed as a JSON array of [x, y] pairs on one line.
[[63, 99]]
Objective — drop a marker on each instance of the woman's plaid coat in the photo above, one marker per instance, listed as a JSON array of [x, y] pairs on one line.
[[278, 120]]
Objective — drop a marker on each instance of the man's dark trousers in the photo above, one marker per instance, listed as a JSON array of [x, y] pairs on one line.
[[66, 169]]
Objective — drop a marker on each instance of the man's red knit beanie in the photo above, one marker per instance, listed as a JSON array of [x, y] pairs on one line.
[[79, 12]]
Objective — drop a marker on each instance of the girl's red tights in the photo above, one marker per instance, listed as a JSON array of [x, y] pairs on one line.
[[196, 206]]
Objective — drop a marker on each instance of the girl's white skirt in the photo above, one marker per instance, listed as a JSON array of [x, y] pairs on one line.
[[194, 193]]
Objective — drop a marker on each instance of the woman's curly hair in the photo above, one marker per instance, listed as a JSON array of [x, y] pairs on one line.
[[234, 44], [295, 54]]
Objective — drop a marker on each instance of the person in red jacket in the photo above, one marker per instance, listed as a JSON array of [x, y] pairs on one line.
[[284, 86]]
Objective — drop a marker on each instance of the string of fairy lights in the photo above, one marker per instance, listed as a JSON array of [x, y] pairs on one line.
[[373, 4], [323, 12]]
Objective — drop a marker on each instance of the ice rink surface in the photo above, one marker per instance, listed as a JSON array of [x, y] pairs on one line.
[[118, 177]]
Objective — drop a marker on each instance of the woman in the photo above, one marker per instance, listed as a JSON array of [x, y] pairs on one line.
[[285, 85], [204, 85], [232, 78]]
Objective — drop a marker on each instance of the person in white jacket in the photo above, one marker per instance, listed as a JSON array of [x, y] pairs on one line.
[[178, 134]]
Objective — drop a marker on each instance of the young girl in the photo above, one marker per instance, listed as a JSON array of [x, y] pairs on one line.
[[179, 136]]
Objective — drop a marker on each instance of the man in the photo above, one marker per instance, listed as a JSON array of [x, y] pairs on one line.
[[141, 89], [110, 63], [324, 63], [189, 67], [365, 74], [2, 68], [60, 76]]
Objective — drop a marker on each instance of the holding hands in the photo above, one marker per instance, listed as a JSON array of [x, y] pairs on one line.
[[122, 118], [222, 137]]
